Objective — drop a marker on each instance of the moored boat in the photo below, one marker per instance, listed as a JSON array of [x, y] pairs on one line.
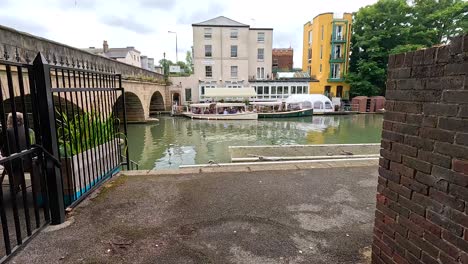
[[275, 110], [220, 111]]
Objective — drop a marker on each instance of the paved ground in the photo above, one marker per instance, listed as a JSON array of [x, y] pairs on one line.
[[321, 215]]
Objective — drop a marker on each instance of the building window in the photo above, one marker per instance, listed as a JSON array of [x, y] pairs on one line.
[[261, 37], [320, 67], [321, 51], [339, 32], [234, 33], [208, 33], [260, 73], [188, 94], [208, 71], [309, 54], [233, 51], [337, 53], [310, 37], [260, 54], [202, 90], [233, 71], [322, 32], [335, 74], [309, 70], [208, 51]]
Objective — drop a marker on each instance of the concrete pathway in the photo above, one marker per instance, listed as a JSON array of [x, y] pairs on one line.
[[293, 214]]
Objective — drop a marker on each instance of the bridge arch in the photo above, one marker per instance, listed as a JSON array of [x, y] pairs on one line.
[[156, 103], [133, 105]]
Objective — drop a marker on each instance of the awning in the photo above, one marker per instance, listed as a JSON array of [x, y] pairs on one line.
[[200, 105], [266, 103], [230, 105], [230, 92]]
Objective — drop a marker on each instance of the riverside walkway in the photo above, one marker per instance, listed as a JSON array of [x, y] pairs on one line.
[[319, 212]]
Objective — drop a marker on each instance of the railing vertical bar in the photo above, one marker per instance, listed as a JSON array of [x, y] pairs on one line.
[[116, 127], [125, 121], [29, 157], [110, 124], [11, 179], [92, 131], [100, 128], [107, 134], [80, 149], [86, 129]]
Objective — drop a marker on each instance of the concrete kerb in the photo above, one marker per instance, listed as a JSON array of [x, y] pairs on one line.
[[257, 166]]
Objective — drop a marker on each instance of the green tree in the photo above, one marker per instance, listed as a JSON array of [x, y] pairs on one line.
[[396, 26], [189, 61]]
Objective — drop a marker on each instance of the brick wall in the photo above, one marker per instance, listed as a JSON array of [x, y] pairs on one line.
[[422, 197]]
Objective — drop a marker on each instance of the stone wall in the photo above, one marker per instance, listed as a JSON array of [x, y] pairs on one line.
[[13, 42], [422, 199]]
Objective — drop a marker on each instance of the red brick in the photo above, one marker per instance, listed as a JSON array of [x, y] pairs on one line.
[[418, 142], [453, 96], [442, 244], [427, 202], [386, 210], [446, 199], [400, 189], [386, 144], [421, 221], [437, 134], [426, 259], [402, 169], [412, 206], [432, 181], [389, 175], [456, 216], [395, 116], [454, 124], [417, 164], [408, 245], [435, 158], [414, 119], [458, 191], [414, 185], [445, 223], [456, 151], [376, 258], [446, 259], [399, 259], [411, 226], [464, 256], [407, 107], [429, 121], [405, 129], [450, 176], [462, 138], [382, 246], [385, 163], [395, 206], [404, 149], [412, 259], [390, 155], [423, 245], [387, 125], [439, 109], [455, 240], [390, 194], [460, 166]]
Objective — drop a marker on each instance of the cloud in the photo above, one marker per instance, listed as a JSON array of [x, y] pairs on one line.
[[158, 4], [77, 4], [28, 26], [126, 23], [196, 16]]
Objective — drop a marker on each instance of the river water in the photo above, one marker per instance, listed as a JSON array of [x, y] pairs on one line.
[[175, 141]]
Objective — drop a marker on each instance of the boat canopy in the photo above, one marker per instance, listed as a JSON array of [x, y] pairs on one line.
[[200, 105], [230, 104], [230, 92], [266, 103], [319, 102]]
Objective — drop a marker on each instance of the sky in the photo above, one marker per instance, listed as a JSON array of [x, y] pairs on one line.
[[144, 24]]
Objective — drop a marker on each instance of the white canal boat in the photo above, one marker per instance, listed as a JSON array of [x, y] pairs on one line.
[[220, 111]]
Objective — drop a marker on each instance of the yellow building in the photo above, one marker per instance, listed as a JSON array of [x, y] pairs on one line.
[[326, 53]]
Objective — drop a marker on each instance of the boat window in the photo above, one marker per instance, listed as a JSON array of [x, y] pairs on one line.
[[273, 90], [328, 105], [307, 104], [293, 89], [318, 105], [266, 89], [285, 90], [260, 90], [280, 90]]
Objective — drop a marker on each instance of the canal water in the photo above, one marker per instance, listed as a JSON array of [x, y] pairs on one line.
[[175, 141]]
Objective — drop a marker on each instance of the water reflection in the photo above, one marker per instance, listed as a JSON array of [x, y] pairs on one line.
[[179, 141]]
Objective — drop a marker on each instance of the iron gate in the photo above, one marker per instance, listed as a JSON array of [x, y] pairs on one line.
[[63, 132]]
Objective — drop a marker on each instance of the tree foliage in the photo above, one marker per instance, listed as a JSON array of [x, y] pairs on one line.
[[397, 26]]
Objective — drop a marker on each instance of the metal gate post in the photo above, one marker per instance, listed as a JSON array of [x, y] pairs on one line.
[[41, 72]]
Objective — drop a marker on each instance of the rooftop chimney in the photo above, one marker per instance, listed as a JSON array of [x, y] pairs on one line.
[[105, 46]]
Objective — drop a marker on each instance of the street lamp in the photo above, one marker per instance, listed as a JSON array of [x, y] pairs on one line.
[[177, 58]]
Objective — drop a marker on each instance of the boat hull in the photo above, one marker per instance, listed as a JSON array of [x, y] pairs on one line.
[[297, 113], [240, 116]]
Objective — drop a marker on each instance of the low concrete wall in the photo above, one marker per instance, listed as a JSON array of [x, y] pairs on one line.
[[291, 152], [27, 46]]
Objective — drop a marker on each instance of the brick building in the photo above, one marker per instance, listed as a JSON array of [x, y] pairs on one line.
[[282, 60], [422, 195]]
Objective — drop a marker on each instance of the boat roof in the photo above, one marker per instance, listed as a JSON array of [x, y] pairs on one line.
[[230, 92], [229, 104], [200, 105], [266, 103]]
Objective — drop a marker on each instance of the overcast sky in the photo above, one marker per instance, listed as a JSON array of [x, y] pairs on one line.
[[144, 24]]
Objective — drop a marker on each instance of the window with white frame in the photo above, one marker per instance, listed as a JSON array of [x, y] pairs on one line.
[[233, 71], [337, 53], [335, 74], [208, 51], [260, 54], [261, 37], [338, 32], [208, 33], [208, 71], [233, 51], [260, 73], [234, 33]]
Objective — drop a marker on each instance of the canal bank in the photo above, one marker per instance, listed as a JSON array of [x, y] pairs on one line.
[[276, 215], [175, 141]]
